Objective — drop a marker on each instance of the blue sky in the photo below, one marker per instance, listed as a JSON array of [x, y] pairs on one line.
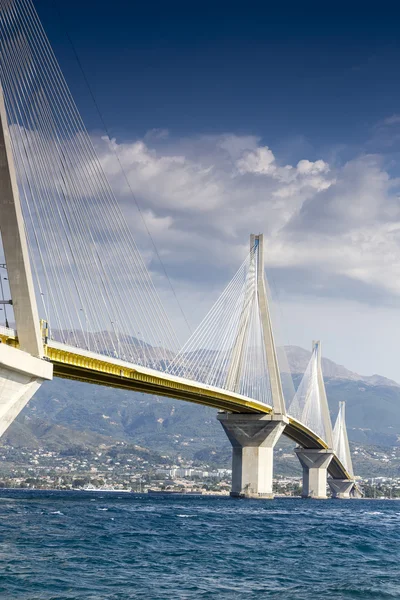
[[284, 120], [289, 74]]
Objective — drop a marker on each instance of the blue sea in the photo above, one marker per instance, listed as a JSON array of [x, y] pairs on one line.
[[92, 546]]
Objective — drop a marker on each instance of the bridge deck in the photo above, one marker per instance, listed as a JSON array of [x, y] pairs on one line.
[[77, 364]]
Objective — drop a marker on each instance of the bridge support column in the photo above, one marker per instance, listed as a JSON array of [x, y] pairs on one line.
[[315, 463], [341, 488], [253, 438], [21, 375]]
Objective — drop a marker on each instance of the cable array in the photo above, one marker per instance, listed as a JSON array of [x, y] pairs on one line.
[[227, 350], [306, 405], [285, 372], [94, 288]]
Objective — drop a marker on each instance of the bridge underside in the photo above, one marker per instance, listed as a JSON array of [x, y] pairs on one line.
[[80, 366], [148, 386]]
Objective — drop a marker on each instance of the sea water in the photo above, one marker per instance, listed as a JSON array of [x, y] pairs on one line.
[[92, 546]]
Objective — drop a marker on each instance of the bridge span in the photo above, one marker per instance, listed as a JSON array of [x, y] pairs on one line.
[[72, 262], [82, 365]]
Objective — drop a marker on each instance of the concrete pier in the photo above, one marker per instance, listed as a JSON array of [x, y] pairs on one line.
[[253, 438], [21, 375], [315, 464], [341, 488]]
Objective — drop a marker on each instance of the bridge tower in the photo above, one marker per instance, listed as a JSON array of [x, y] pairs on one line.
[[253, 437], [22, 369], [315, 462], [342, 488]]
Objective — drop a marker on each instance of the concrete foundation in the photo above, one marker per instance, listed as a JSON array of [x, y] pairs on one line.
[[341, 488], [253, 438], [315, 464], [21, 375]]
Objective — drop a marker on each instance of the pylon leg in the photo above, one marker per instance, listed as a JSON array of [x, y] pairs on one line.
[[315, 464], [21, 375], [253, 438], [341, 488]]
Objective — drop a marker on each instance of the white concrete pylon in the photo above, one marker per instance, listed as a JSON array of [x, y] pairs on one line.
[[341, 441], [15, 247], [310, 405], [256, 285], [314, 461]]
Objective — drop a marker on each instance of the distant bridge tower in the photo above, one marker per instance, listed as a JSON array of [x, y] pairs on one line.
[[342, 488], [21, 370], [310, 406], [253, 437]]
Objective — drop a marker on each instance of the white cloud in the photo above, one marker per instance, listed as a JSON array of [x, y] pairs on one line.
[[332, 232], [204, 196], [393, 120], [305, 167], [259, 162], [201, 197]]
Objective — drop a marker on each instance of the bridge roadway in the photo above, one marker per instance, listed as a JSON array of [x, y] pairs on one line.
[[70, 362]]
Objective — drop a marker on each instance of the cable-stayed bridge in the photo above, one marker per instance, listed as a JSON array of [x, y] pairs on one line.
[[79, 302]]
